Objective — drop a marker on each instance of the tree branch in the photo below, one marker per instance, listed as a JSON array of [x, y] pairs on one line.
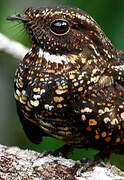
[[13, 48], [17, 164]]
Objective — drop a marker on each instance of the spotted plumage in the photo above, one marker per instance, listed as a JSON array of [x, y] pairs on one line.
[[70, 85]]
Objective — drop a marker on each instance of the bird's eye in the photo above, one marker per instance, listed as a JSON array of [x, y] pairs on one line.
[[59, 27]]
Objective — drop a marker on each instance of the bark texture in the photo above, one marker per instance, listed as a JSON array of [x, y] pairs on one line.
[[17, 164]]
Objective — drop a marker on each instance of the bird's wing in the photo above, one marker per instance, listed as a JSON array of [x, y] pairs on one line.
[[33, 132], [118, 71], [121, 55]]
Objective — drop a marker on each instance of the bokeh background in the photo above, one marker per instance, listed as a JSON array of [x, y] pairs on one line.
[[108, 13]]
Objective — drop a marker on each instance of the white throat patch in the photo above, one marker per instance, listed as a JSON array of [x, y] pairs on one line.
[[61, 59]]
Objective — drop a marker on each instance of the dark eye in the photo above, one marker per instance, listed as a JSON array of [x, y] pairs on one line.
[[59, 27]]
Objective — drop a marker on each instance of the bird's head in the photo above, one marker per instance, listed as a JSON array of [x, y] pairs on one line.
[[62, 30]]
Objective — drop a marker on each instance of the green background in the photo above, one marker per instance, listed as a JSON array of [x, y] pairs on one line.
[[108, 13]]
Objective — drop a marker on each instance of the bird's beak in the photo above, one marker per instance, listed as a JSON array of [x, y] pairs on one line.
[[16, 17]]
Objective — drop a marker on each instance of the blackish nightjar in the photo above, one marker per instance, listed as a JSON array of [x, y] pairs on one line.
[[70, 85]]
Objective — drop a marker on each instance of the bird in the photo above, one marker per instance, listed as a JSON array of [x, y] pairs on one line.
[[70, 84]]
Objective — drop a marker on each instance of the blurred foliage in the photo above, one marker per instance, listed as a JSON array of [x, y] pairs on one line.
[[108, 13]]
